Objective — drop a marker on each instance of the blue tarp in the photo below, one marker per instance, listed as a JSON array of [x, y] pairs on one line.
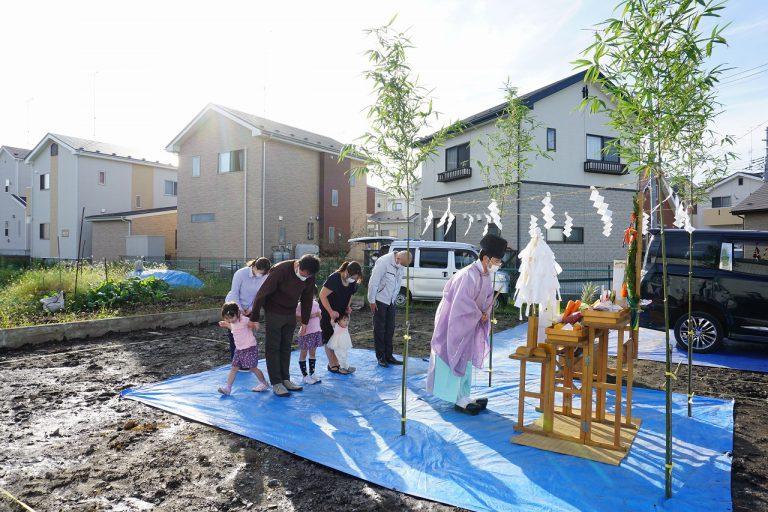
[[737, 355], [175, 278], [352, 424]]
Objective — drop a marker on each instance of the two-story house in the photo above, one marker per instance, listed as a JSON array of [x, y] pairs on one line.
[[581, 156], [715, 210], [387, 214], [252, 186], [71, 175], [15, 178]]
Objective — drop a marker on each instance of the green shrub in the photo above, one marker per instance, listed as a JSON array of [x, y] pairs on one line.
[[110, 294]]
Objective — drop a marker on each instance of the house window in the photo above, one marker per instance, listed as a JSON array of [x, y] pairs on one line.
[[7, 228], [721, 202], [171, 188], [397, 207], [54, 149], [602, 148], [232, 161], [331, 234], [138, 202], [334, 197], [203, 217], [555, 235], [7, 185], [102, 177], [352, 180], [741, 181], [551, 139], [310, 230], [457, 157], [45, 181], [195, 166], [45, 231]]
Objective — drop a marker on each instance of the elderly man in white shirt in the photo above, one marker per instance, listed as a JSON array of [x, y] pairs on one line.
[[383, 287]]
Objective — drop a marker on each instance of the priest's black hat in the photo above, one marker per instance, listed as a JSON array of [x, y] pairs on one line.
[[493, 245]]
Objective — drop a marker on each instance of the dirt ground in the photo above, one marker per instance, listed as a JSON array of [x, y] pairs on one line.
[[67, 442]]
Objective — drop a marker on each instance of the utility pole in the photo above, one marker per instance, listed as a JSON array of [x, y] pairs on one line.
[[765, 164]]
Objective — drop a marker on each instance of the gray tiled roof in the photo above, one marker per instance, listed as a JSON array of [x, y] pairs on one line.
[[287, 132], [755, 202], [107, 149], [19, 153]]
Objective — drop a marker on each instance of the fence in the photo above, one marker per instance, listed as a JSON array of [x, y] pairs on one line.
[[576, 274]]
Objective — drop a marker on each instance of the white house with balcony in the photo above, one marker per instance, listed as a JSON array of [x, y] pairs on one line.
[[72, 177], [715, 210], [577, 142]]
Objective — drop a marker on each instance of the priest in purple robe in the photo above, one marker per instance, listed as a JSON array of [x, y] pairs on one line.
[[462, 324]]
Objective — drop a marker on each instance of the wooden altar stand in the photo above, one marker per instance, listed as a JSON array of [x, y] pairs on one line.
[[575, 364]]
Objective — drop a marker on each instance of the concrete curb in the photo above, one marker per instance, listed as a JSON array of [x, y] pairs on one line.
[[38, 334]]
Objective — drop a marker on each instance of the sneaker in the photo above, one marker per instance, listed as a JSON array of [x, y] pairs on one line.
[[315, 380], [261, 387], [226, 391], [308, 380], [280, 390], [290, 386], [383, 363]]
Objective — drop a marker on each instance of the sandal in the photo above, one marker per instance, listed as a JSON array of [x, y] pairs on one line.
[[334, 369], [344, 371]]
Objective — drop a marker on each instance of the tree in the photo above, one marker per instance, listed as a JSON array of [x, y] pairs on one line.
[[511, 149], [391, 148], [644, 59]]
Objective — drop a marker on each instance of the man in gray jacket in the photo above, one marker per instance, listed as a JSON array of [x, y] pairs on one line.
[[383, 287]]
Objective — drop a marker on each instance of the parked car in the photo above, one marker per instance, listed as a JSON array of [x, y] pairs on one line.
[[433, 263], [729, 286]]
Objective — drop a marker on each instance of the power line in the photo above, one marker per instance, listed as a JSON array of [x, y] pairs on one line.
[[726, 77]]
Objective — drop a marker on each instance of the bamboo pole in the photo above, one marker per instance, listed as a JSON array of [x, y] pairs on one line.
[[690, 306], [668, 351], [406, 336]]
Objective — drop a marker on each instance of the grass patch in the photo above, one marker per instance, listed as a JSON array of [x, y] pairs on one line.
[[22, 290]]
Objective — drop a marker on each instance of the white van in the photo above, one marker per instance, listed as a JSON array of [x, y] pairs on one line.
[[433, 263]]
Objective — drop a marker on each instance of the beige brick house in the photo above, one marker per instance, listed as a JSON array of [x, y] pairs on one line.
[[249, 185]]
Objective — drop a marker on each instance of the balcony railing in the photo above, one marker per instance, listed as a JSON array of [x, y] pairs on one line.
[[455, 174], [603, 167]]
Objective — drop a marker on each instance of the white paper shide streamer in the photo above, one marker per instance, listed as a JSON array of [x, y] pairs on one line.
[[646, 223], [567, 226], [469, 218], [487, 223], [428, 220], [494, 212], [606, 215], [547, 213]]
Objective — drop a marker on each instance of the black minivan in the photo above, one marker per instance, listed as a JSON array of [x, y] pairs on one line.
[[729, 287]]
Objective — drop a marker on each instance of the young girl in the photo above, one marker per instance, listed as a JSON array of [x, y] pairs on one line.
[[340, 342], [246, 347], [309, 342]]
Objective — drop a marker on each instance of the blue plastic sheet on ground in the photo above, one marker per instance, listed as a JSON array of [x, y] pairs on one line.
[[175, 278], [752, 357], [352, 424]]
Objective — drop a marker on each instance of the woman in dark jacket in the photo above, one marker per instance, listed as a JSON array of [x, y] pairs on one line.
[[335, 299]]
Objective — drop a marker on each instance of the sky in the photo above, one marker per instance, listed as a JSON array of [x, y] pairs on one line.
[[149, 67]]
